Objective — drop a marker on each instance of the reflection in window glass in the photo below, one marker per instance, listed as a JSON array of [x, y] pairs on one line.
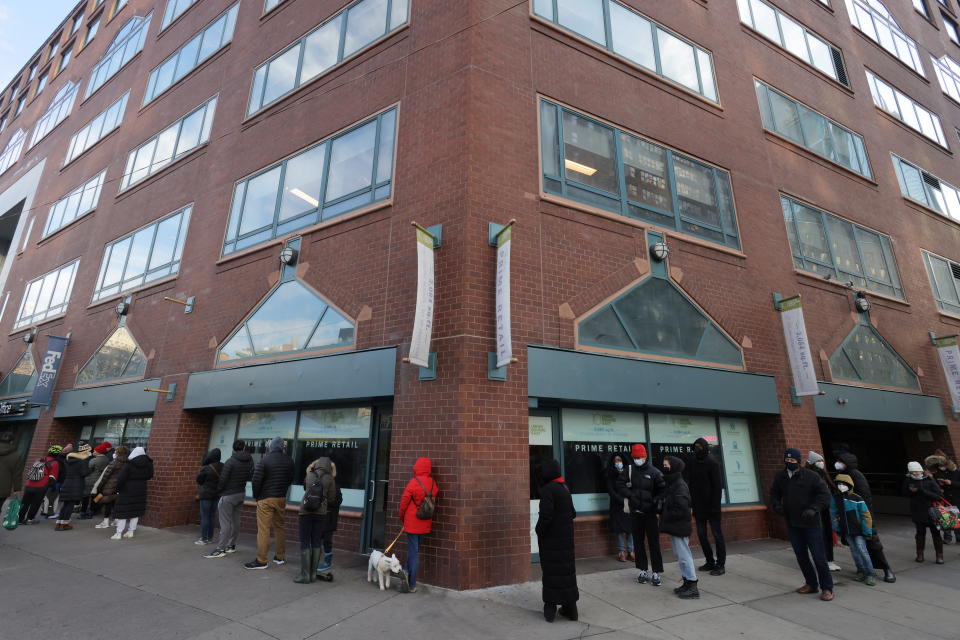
[[97, 128], [351, 162], [589, 155], [11, 153], [874, 20], [47, 296], [173, 10], [906, 110], [78, 202], [21, 379], [945, 280], [119, 357], [584, 17], [866, 357], [127, 43], [56, 113], [927, 189]]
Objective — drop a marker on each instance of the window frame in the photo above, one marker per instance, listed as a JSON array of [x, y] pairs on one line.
[[935, 285], [137, 33], [55, 112], [875, 94], [49, 313], [80, 189], [93, 28], [16, 141], [173, 17], [894, 29], [930, 201], [71, 148]]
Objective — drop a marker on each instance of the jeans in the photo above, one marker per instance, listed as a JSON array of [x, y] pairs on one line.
[[645, 526], [624, 542], [714, 522], [681, 547], [413, 556], [807, 542], [229, 511], [208, 510], [32, 497], [270, 516], [858, 549], [121, 524], [311, 526]]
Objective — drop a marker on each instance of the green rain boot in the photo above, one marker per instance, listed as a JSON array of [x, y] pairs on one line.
[[324, 570], [305, 576]]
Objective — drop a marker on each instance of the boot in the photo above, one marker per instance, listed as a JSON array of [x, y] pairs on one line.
[[324, 570], [569, 611], [889, 576], [683, 586], [691, 592], [921, 545], [304, 577], [938, 548], [549, 612]]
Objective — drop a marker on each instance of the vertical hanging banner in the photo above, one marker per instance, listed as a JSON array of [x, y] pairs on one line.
[[949, 354], [423, 320], [504, 334], [798, 347], [49, 368]]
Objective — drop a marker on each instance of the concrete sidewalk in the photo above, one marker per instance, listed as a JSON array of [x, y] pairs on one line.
[[80, 585]]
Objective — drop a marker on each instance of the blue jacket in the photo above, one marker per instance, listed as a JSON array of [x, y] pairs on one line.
[[856, 520]]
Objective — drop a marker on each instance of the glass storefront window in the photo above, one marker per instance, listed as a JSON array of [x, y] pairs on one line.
[[738, 462], [130, 432]]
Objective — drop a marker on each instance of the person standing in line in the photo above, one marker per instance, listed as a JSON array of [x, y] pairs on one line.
[[319, 496], [619, 511], [75, 471], [800, 495], [207, 481], [642, 485], [42, 474], [848, 463], [706, 491], [272, 478], [329, 527], [675, 522], [947, 475], [817, 464], [132, 493], [554, 530], [923, 490], [106, 487], [99, 462], [52, 498], [232, 488], [414, 496], [853, 522], [11, 480]]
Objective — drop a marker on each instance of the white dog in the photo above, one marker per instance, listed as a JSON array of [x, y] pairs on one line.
[[384, 566]]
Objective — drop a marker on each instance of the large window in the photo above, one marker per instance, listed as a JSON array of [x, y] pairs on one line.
[[602, 166], [56, 113], [214, 36], [128, 432], [921, 6], [118, 358], [127, 43], [97, 128], [21, 379], [801, 124], [866, 358], [875, 21], [927, 189], [945, 279], [182, 137], [47, 296], [270, 4], [786, 32], [143, 256], [627, 33], [343, 35], [341, 434], [173, 10], [348, 171], [906, 110], [78, 202], [11, 153], [948, 74], [835, 248]]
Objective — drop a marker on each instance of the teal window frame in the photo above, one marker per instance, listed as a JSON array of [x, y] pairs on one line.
[[57, 112], [131, 360], [76, 204], [97, 129], [703, 59], [258, 87], [560, 185], [28, 384], [927, 189], [149, 273], [191, 55], [11, 153], [48, 295], [173, 10], [126, 44], [869, 17], [947, 303], [901, 108], [766, 115], [864, 324], [378, 191], [893, 287]]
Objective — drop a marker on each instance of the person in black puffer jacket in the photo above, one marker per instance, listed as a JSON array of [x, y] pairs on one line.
[[947, 475], [207, 482], [706, 492], [232, 488], [675, 522], [642, 484], [847, 463], [75, 470], [555, 537], [272, 478], [132, 492], [923, 490], [619, 511]]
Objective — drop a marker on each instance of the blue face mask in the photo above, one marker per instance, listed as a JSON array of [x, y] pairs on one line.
[[618, 465], [639, 461]]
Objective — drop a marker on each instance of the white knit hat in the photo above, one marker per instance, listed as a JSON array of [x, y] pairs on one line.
[[914, 467]]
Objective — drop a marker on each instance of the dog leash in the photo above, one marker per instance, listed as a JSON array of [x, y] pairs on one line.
[[387, 550]]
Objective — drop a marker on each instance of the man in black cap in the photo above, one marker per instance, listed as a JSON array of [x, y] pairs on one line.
[[799, 495], [706, 491]]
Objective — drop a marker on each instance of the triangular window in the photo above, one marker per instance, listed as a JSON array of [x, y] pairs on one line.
[[22, 378], [865, 357], [118, 358]]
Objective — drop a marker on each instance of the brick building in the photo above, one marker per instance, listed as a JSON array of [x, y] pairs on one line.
[[156, 156]]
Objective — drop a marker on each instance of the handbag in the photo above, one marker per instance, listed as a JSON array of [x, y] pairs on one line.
[[13, 514], [944, 515]]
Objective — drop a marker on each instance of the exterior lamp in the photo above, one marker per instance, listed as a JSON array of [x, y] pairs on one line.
[[30, 336], [122, 308], [659, 251], [861, 302], [288, 256]]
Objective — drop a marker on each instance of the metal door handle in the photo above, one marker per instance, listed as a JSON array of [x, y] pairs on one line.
[[372, 491]]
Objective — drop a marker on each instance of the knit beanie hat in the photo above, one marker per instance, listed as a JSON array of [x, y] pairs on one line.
[[813, 457], [914, 467], [793, 453], [85, 448], [55, 450], [103, 447], [68, 448], [638, 451], [843, 478]]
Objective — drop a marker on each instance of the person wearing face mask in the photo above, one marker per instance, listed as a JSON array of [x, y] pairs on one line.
[[848, 464], [619, 511], [706, 490], [853, 522], [817, 464], [799, 495], [947, 475], [923, 491], [641, 484], [675, 522]]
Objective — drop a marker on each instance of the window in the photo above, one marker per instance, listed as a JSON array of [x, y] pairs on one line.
[[41, 83], [118, 358], [128, 432], [173, 10], [21, 379], [127, 43], [588, 161], [78, 202], [118, 5], [203, 45], [835, 248], [54, 46], [92, 27], [636, 38], [948, 74], [865, 357], [47, 296], [346, 172], [77, 21], [3, 122], [814, 131], [97, 128], [65, 57], [927, 189], [921, 7], [33, 71], [945, 280], [22, 101], [906, 110], [270, 4], [11, 152], [148, 254], [343, 35], [953, 31], [183, 136], [872, 18], [56, 113]]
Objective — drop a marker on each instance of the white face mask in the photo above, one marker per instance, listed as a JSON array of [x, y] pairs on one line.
[[639, 461], [843, 488], [819, 464], [917, 475], [618, 465], [839, 466]]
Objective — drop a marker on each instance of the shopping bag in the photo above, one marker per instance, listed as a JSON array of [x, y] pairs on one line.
[[945, 516], [13, 514]]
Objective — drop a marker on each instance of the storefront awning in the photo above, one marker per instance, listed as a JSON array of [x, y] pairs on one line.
[[848, 402], [577, 376], [343, 376], [109, 400]]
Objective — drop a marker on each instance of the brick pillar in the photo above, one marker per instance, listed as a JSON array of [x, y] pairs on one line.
[[47, 433]]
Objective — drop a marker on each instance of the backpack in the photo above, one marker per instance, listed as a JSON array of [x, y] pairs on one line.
[[426, 508], [38, 471], [315, 500]]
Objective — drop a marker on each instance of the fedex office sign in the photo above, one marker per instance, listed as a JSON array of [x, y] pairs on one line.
[[49, 368]]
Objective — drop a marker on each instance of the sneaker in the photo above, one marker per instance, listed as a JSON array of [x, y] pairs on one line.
[[255, 565], [871, 580], [128, 534], [833, 566], [231, 549], [216, 553], [718, 570], [279, 561], [655, 580], [116, 536], [102, 525], [860, 577], [707, 566], [199, 541], [642, 578]]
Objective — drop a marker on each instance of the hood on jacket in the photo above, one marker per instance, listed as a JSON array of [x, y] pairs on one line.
[[242, 456], [623, 458], [212, 457], [676, 468], [139, 451], [323, 464], [333, 468], [935, 462], [549, 471], [423, 467], [276, 445], [121, 453], [78, 455], [844, 479], [6, 448], [813, 457], [848, 459]]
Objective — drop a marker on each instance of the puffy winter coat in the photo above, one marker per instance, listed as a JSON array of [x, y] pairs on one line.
[[236, 472], [927, 492], [97, 464], [945, 470], [641, 486], [51, 469], [675, 518], [800, 499], [11, 478], [75, 471], [273, 475], [108, 481], [413, 495], [321, 470], [209, 477], [619, 519], [860, 485], [132, 488], [555, 538], [855, 519], [706, 486]]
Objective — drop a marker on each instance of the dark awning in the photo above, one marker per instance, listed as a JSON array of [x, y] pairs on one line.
[[848, 402]]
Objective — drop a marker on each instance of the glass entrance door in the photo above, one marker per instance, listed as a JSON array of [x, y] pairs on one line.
[[375, 509], [541, 425]]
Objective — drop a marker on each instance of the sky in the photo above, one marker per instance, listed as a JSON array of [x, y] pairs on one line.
[[24, 26]]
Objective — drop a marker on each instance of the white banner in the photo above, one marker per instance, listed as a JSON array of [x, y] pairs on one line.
[[798, 348], [423, 320], [950, 361], [504, 337]]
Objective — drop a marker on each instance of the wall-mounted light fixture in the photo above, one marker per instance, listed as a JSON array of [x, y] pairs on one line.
[[861, 302], [659, 251], [289, 256], [30, 336], [122, 308]]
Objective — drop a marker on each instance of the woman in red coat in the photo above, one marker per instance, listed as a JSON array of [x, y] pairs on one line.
[[413, 496]]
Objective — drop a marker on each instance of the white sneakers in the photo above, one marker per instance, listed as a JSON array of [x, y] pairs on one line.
[[103, 525], [833, 566], [128, 534], [116, 536]]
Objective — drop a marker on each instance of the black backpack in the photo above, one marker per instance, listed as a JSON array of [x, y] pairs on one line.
[[315, 499], [426, 508]]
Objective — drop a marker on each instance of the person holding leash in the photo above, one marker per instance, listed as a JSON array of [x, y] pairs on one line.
[[416, 512]]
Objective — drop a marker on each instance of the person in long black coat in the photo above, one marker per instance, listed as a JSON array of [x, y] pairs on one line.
[[132, 492], [923, 490], [706, 493], [619, 514], [555, 534], [75, 469]]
